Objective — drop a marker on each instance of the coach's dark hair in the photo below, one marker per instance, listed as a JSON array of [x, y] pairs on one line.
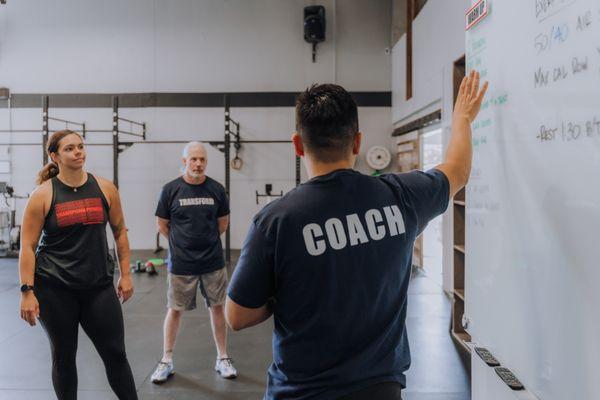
[[327, 121]]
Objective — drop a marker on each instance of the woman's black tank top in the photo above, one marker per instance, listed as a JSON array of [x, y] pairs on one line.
[[73, 250]]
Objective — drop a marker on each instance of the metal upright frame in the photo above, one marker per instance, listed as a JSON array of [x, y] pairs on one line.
[[237, 142], [117, 145], [231, 138]]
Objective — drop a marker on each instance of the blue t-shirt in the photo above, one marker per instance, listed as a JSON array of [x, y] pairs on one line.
[[193, 210], [334, 255]]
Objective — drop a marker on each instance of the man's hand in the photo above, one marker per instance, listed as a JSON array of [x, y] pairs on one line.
[[457, 166], [468, 101], [125, 288], [30, 308]]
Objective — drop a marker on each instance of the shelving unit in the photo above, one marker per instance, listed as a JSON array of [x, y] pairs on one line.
[[458, 307], [459, 250]]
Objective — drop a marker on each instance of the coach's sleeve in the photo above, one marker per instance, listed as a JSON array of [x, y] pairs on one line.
[[253, 281], [428, 193]]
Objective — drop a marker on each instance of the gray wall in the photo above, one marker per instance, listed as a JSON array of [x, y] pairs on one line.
[[185, 46]]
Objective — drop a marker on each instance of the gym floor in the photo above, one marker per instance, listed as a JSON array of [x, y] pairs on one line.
[[437, 372]]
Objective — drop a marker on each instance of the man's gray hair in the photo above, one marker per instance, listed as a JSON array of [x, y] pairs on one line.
[[186, 149]]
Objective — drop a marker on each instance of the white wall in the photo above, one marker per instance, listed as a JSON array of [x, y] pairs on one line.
[[438, 41], [189, 46], [185, 46]]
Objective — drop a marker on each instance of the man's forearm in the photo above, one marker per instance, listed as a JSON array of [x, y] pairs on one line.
[[266, 312], [239, 317], [460, 148], [164, 230], [223, 224]]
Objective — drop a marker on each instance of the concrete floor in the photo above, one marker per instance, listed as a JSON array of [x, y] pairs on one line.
[[436, 373]]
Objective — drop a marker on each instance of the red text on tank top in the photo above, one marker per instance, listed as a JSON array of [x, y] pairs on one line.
[[86, 212]]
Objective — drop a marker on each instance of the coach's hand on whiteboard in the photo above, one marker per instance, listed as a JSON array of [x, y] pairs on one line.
[[469, 97], [457, 166]]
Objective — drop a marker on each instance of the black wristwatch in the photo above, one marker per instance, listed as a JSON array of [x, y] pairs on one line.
[[26, 288]]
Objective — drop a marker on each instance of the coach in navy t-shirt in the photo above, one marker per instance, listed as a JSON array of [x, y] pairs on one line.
[[332, 259]]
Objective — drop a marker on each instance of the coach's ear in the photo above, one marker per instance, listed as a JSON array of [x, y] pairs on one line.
[[357, 143], [298, 145]]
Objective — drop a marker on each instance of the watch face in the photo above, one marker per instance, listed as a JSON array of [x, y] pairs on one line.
[[25, 288]]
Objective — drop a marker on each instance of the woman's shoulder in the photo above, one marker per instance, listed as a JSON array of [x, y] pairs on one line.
[[41, 197], [108, 189], [42, 190], [104, 183]]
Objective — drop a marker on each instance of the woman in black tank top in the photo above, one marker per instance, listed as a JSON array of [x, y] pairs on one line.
[[65, 268]]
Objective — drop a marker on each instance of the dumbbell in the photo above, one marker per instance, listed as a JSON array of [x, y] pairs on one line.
[[151, 269], [138, 267]]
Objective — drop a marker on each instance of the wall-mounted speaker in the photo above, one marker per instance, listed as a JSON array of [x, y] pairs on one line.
[[314, 24], [314, 27]]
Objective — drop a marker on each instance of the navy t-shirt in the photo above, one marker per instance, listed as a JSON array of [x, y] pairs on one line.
[[194, 240], [334, 255]]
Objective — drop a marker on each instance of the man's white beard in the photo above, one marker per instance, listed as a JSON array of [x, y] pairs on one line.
[[194, 175]]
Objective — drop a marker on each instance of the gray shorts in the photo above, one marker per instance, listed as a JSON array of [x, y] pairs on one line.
[[181, 295]]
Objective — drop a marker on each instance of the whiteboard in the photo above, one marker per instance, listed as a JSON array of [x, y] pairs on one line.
[[533, 201]]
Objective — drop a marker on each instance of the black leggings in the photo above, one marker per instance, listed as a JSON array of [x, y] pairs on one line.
[[99, 313], [380, 391]]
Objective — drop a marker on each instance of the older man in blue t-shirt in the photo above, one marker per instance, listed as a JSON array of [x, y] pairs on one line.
[[331, 259], [192, 212]]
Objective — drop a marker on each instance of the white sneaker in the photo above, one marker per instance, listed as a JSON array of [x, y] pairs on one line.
[[225, 368], [163, 371]]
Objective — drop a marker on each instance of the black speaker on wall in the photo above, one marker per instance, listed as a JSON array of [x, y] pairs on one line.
[[314, 26]]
